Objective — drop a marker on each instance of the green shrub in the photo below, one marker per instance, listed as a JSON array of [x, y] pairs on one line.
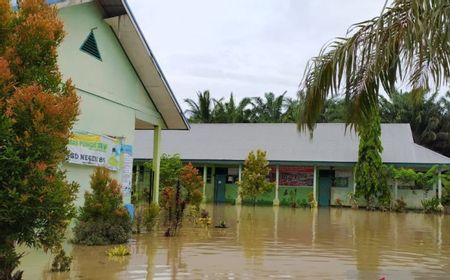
[[303, 203], [99, 232], [103, 219], [430, 205]]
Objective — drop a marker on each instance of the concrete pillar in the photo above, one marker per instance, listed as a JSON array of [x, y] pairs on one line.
[[275, 224], [439, 185], [276, 201], [238, 221], [315, 183], [213, 182], [440, 207], [205, 175], [239, 197], [314, 213], [156, 163]]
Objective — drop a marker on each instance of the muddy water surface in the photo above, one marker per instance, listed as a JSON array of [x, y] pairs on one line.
[[274, 243]]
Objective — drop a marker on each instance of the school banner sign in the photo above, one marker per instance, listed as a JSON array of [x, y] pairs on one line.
[[95, 150]]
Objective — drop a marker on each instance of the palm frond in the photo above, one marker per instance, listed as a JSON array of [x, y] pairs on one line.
[[409, 41]]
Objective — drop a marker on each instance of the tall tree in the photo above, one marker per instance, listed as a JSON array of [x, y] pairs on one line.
[[37, 111], [268, 109], [229, 112], [292, 108], [370, 164], [425, 112], [200, 111]]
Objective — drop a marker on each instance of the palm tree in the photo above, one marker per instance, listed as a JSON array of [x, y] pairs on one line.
[[334, 109], [269, 109], [228, 112], [200, 111], [427, 115], [292, 108], [409, 41]]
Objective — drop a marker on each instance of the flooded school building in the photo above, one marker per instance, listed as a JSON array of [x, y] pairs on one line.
[[322, 165]]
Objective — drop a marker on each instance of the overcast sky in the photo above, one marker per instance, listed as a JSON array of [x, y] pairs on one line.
[[247, 47]]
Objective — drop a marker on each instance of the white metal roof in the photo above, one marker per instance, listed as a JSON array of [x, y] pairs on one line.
[[331, 144]]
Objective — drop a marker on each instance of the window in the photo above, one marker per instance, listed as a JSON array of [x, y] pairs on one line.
[[341, 178], [341, 182], [232, 175]]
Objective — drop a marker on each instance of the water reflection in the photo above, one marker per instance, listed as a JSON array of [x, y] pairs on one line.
[[267, 242]]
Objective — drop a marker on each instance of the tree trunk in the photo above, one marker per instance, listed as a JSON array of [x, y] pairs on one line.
[[9, 260]]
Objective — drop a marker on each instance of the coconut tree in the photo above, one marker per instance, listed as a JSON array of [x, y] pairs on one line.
[[427, 115], [268, 109], [335, 110], [409, 42], [200, 111], [292, 107], [229, 112]]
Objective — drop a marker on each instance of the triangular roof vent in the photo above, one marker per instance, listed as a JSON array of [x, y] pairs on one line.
[[90, 46]]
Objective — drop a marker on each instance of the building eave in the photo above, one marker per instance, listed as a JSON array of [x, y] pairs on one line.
[[167, 104], [117, 14]]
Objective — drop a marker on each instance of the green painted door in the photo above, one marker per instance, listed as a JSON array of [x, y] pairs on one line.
[[219, 188], [325, 181]]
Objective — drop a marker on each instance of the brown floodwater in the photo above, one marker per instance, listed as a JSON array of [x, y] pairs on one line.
[[274, 243]]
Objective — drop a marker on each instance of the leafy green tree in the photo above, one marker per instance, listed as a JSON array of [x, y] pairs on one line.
[[37, 111], [254, 176], [169, 170], [369, 165], [200, 111]]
